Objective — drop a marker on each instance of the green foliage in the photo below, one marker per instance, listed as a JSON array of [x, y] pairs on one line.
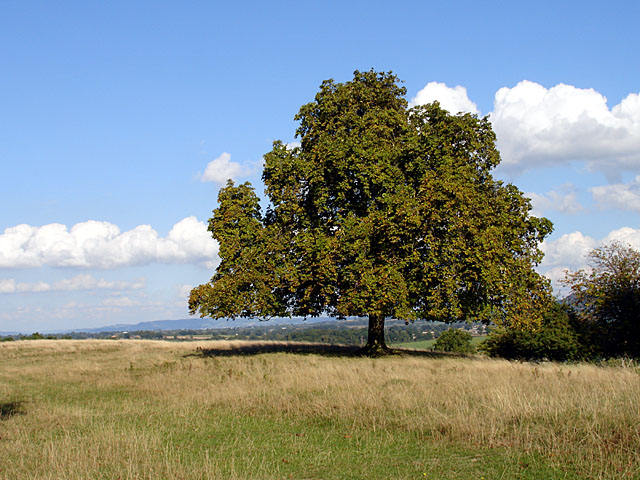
[[607, 299], [382, 211], [557, 338], [454, 340], [37, 336]]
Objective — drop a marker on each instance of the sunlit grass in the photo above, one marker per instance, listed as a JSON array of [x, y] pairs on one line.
[[428, 344], [150, 410]]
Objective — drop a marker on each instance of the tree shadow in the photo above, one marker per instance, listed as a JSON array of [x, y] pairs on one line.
[[248, 349], [9, 409]]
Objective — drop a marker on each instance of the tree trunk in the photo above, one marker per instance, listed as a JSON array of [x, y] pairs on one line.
[[375, 341]]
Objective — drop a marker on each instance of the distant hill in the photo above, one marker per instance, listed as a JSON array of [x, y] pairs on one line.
[[191, 324]]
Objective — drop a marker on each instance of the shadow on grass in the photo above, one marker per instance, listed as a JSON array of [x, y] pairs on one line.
[[258, 348], [9, 409]]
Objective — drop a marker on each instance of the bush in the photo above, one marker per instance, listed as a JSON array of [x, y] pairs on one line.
[[607, 300], [454, 340], [33, 336], [557, 339]]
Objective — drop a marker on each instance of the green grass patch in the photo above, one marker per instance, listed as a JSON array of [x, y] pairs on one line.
[[428, 344], [152, 410]]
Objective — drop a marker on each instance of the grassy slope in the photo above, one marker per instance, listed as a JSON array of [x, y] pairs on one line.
[[150, 410], [428, 344]]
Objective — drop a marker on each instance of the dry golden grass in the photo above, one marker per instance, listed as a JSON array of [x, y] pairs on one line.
[[148, 409]]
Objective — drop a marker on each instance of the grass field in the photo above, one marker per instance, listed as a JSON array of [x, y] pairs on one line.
[[428, 344], [159, 410]]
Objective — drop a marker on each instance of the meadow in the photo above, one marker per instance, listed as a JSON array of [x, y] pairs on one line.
[[128, 409], [428, 344]]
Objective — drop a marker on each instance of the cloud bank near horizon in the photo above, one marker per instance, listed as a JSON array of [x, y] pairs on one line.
[[101, 245], [76, 283]]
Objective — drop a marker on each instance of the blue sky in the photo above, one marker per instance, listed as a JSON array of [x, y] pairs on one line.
[[119, 120]]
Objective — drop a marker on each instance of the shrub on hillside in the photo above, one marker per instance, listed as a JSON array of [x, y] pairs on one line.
[[556, 339], [454, 340]]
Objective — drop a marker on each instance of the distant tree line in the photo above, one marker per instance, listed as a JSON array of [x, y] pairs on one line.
[[34, 336], [331, 332]]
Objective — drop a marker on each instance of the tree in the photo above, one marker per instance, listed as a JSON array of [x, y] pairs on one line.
[[556, 338], [607, 299], [382, 211], [454, 340]]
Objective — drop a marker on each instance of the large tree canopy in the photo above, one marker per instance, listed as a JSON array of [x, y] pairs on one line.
[[384, 211]]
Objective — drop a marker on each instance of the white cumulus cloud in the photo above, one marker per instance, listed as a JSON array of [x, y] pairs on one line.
[[184, 291], [627, 235], [95, 244], [570, 251], [619, 195], [221, 169], [9, 285], [453, 99], [79, 282], [119, 302], [536, 126], [563, 199], [88, 282]]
